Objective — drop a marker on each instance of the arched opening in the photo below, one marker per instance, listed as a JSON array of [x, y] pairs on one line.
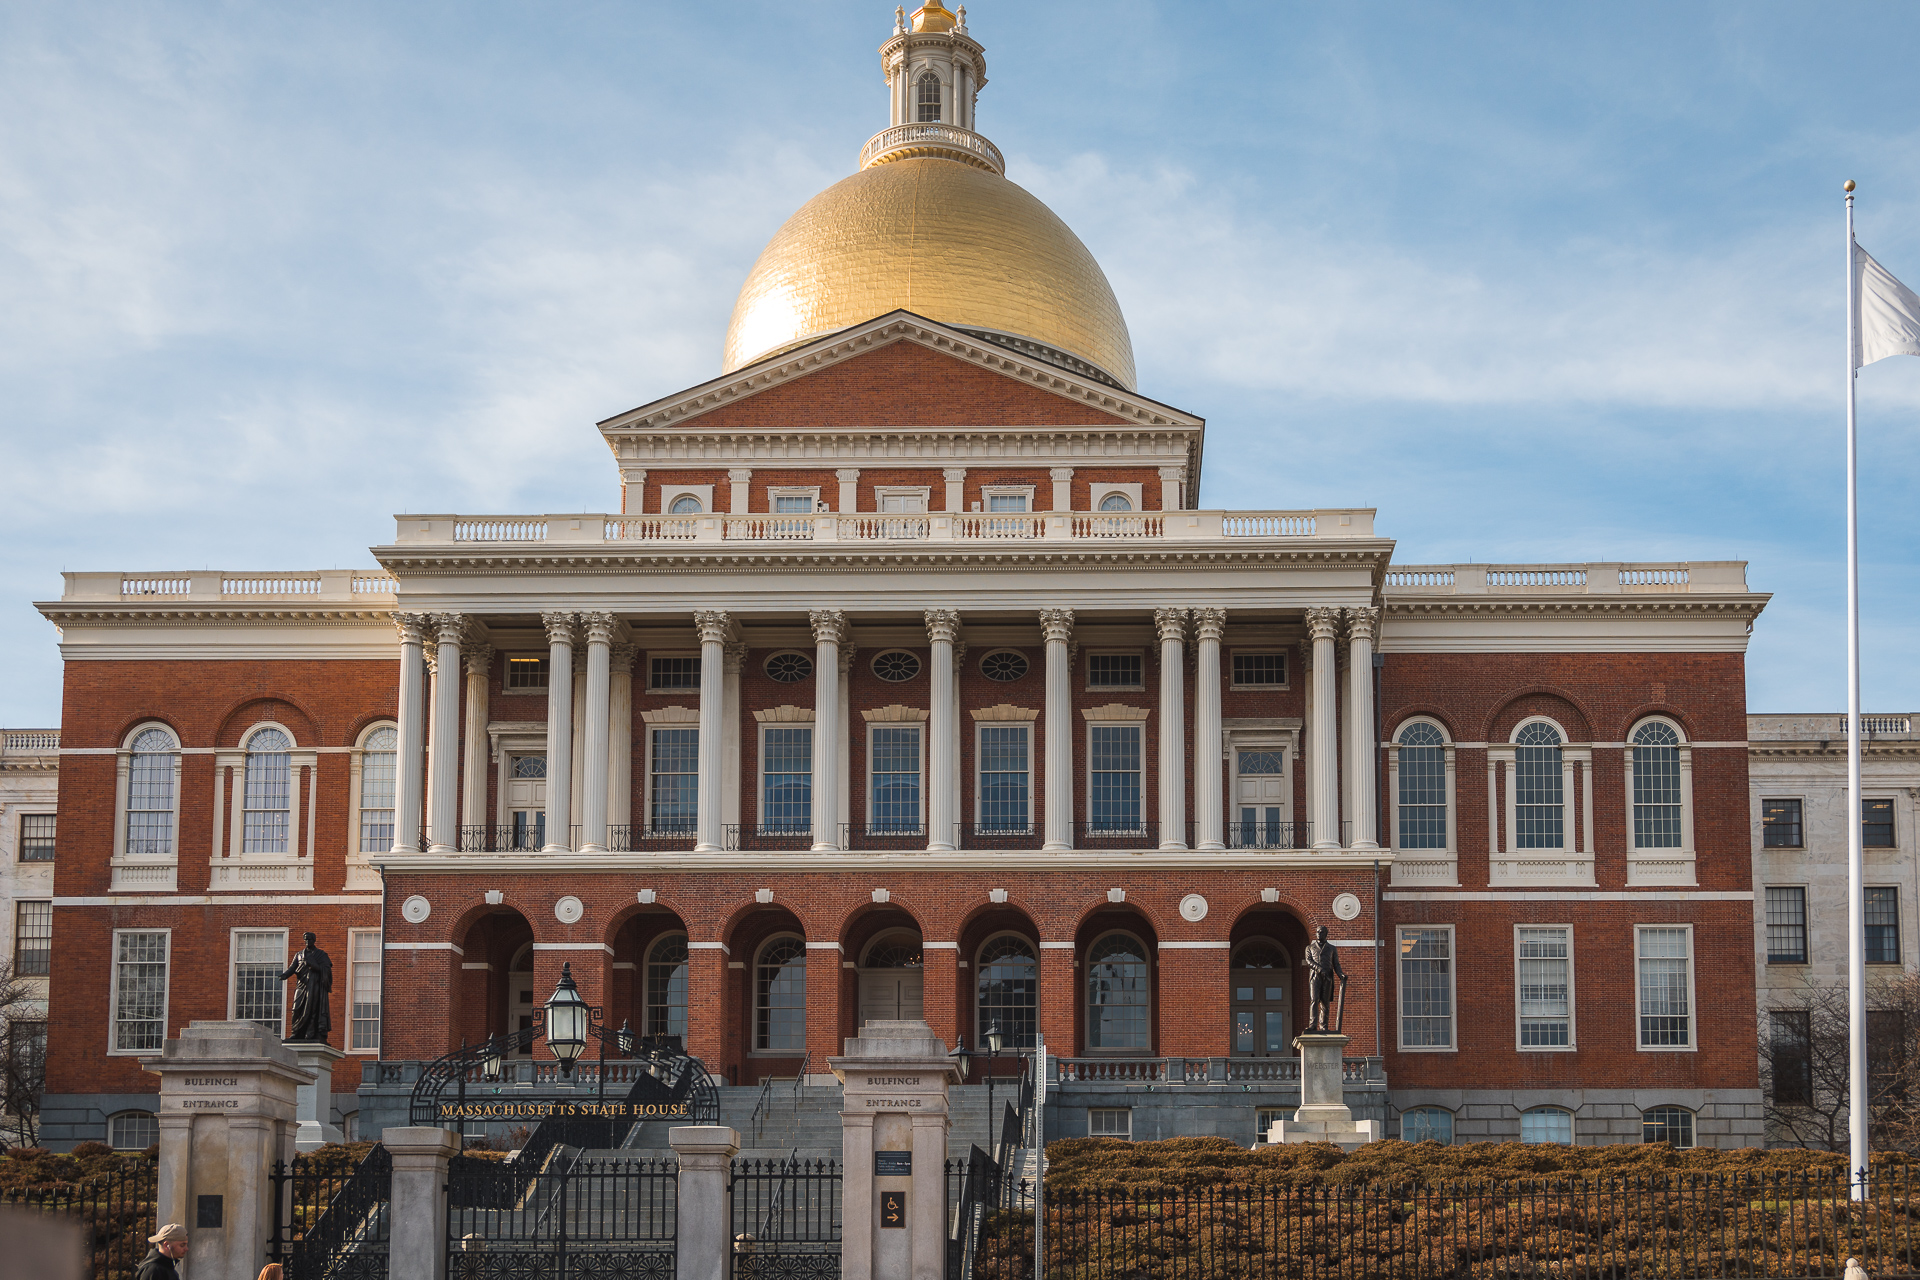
[[650, 975], [496, 993], [892, 977], [1262, 978], [1118, 983], [927, 98], [767, 996], [999, 983]]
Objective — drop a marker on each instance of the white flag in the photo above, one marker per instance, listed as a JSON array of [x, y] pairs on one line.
[[1889, 319]]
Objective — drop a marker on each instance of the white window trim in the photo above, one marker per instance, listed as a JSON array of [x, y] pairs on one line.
[[360, 872], [646, 981], [1139, 722], [1573, 1001], [1400, 993], [1126, 1111], [979, 797], [1086, 673], [760, 773], [1083, 970], [233, 983], [673, 691], [920, 725], [234, 869], [380, 967], [1570, 864], [924, 492], [113, 997], [991, 491], [1098, 491], [1286, 665], [670, 491], [753, 993], [1693, 996], [1573, 1124], [810, 492], [508, 691], [648, 729], [1670, 866], [1432, 868], [1806, 927], [508, 743], [144, 874], [1278, 738]]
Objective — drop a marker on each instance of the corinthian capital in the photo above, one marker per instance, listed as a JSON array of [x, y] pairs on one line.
[[714, 625], [733, 658], [1209, 624], [1056, 624], [1363, 624], [943, 624], [1323, 624], [620, 658], [598, 627], [559, 627], [1171, 624], [413, 627], [479, 659], [449, 628], [829, 626]]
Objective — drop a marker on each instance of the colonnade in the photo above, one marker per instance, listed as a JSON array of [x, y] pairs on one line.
[[599, 748]]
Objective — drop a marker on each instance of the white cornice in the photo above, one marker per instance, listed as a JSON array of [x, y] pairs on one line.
[[1745, 606], [68, 613], [545, 864]]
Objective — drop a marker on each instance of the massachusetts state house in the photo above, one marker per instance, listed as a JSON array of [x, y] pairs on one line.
[[908, 675]]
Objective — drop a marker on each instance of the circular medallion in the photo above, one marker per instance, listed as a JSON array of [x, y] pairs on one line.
[[1004, 665], [1193, 907], [1346, 906], [416, 909], [789, 668], [569, 910]]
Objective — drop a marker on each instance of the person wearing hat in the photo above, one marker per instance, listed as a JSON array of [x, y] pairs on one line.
[[169, 1243]]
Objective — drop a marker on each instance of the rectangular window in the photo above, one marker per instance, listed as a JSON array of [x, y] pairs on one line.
[[1538, 791], [1876, 824], [259, 957], [377, 778], [1423, 789], [1883, 926], [1545, 984], [526, 675], [1786, 925], [1113, 777], [1259, 670], [1113, 671], [1110, 1122], [1886, 1054], [150, 802], [1666, 986], [33, 939], [1005, 758], [1790, 1055], [1426, 988], [1006, 502], [269, 800], [1264, 1118], [894, 766], [363, 989], [792, 504], [786, 795], [674, 673], [1780, 824], [36, 837], [673, 789], [139, 990]]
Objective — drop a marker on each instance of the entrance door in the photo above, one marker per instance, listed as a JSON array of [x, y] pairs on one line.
[[520, 993], [892, 981], [1262, 1001], [527, 801], [903, 504], [1260, 792]]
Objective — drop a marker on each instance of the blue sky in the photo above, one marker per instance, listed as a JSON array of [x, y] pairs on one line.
[[1541, 282]]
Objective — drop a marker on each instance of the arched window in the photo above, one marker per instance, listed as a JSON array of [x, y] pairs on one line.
[[667, 987], [1427, 1124], [1547, 1124], [1671, 1125], [376, 789], [1009, 990], [927, 98], [268, 792], [1118, 997], [1538, 792], [780, 997], [1262, 980], [685, 505], [133, 1131], [1422, 772], [150, 794], [900, 949], [1116, 502], [1656, 787]]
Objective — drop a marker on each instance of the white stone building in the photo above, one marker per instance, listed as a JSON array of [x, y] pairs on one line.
[[29, 786]]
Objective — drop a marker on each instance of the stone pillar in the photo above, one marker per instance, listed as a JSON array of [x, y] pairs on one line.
[[956, 495], [1062, 478], [1057, 626], [829, 633], [1171, 625], [417, 1238], [703, 1236], [228, 1097], [715, 627], [593, 765], [736, 661], [410, 752], [1362, 764], [313, 1103], [942, 762], [1323, 736], [849, 479], [738, 491], [894, 1123], [559, 731], [443, 737], [478, 659], [1323, 1115], [1209, 799], [620, 741], [579, 731]]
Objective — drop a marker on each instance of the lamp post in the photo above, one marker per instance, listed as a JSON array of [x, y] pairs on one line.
[[567, 1018], [996, 1039]]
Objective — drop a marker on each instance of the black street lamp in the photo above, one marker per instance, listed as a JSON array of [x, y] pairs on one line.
[[995, 1039], [625, 1038], [567, 1019], [490, 1065]]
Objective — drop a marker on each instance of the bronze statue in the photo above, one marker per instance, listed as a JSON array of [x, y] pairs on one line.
[[1326, 983], [313, 970]]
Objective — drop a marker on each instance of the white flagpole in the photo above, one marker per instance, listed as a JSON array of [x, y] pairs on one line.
[[1856, 896]]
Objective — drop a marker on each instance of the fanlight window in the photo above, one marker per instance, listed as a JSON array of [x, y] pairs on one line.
[[927, 95], [1537, 789], [1423, 787], [667, 987], [685, 505], [1009, 990], [268, 792], [1117, 994], [150, 795], [1656, 786], [896, 951], [1116, 502]]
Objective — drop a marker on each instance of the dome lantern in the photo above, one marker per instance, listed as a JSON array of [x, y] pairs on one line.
[[934, 71]]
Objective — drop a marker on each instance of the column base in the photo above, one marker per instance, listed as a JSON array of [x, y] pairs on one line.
[[554, 848], [1333, 845], [942, 848], [1056, 846], [1210, 846], [706, 846], [1368, 845], [827, 848], [592, 848], [1173, 846], [441, 848]]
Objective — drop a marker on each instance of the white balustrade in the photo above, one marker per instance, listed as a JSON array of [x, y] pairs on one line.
[[1018, 527], [654, 529], [884, 528], [269, 586], [1874, 724], [912, 139], [1269, 525], [499, 529], [1654, 579], [1501, 578], [1117, 526], [1426, 579], [155, 586], [373, 585], [770, 529], [31, 740]]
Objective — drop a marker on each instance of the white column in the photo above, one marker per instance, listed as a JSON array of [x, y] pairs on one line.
[[1362, 767], [956, 496], [593, 765], [1323, 736], [849, 479], [1171, 624], [1173, 488], [1062, 478], [409, 753], [443, 737], [620, 747], [579, 728], [473, 756], [1057, 626], [559, 731], [829, 633], [715, 628], [942, 761], [1209, 800], [736, 661]]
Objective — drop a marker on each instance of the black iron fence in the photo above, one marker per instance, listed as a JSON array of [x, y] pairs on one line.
[[332, 1221], [786, 1218], [578, 1217], [115, 1207], [1729, 1226]]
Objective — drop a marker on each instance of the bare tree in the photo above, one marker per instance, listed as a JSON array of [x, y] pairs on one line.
[[1805, 1066], [23, 1057]]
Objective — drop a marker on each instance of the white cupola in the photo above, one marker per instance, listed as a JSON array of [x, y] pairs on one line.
[[934, 72]]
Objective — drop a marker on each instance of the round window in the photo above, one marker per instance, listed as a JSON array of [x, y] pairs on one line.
[[1004, 664], [789, 668], [685, 505], [1116, 502], [896, 664]]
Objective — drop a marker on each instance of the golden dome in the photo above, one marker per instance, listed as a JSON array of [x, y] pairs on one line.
[[944, 240], [934, 17]]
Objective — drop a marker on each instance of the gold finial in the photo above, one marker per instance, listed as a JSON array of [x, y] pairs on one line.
[[933, 16], [1847, 185]]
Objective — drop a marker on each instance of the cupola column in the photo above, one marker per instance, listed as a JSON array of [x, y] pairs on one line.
[[559, 732], [1208, 798], [410, 750], [443, 740], [1362, 762], [1323, 735], [1172, 627], [943, 625], [1057, 626], [829, 633], [715, 629]]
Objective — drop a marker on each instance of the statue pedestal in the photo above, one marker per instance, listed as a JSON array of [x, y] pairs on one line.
[[1324, 1115], [314, 1102]]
